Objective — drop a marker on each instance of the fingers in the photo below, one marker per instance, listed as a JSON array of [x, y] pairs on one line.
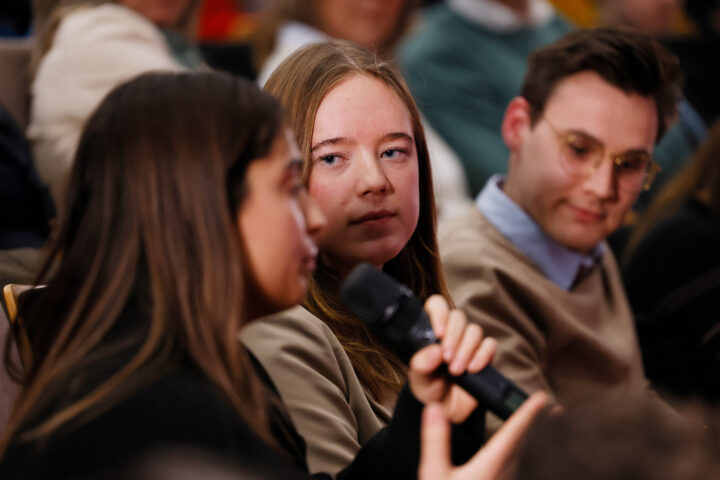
[[434, 444], [495, 455], [437, 309], [483, 356], [466, 350], [426, 360], [453, 334]]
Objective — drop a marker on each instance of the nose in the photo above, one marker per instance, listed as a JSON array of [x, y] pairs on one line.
[[315, 221], [602, 182], [371, 178]]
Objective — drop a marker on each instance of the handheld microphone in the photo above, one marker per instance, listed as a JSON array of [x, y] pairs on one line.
[[396, 316]]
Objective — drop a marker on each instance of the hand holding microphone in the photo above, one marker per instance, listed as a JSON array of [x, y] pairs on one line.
[[397, 317]]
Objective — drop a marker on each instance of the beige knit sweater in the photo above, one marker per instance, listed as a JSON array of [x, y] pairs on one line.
[[576, 345]]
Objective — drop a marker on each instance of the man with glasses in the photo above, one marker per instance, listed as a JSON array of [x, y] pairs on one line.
[[530, 264]]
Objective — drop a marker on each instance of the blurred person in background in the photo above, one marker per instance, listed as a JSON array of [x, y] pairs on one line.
[[377, 25], [671, 272], [630, 440], [84, 48], [464, 62]]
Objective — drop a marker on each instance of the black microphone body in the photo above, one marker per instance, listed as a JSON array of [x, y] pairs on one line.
[[396, 316]]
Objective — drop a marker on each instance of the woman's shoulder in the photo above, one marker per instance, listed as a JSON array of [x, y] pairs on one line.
[[297, 347], [290, 327]]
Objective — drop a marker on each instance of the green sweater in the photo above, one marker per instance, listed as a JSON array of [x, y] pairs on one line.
[[463, 76]]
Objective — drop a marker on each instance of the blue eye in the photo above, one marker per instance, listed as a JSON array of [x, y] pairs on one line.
[[330, 159], [394, 152]]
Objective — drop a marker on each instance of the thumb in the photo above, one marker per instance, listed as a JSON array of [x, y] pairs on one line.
[[434, 444]]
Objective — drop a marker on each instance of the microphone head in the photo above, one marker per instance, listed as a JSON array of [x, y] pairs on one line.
[[368, 292], [388, 308]]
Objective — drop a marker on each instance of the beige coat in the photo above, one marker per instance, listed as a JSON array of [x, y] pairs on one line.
[[317, 383]]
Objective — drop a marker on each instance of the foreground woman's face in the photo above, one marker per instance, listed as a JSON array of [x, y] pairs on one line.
[[277, 220], [364, 173]]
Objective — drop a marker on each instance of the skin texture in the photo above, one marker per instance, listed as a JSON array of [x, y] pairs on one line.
[[575, 211], [277, 221], [163, 13], [653, 17], [366, 22], [364, 173]]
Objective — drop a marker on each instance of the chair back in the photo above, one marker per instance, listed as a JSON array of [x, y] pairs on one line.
[[12, 292]]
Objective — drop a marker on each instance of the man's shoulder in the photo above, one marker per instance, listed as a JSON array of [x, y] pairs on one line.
[[472, 238]]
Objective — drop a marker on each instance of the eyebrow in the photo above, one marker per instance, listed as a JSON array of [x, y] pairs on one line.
[[624, 152], [338, 140], [329, 141], [396, 136]]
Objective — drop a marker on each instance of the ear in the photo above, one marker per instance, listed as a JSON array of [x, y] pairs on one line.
[[516, 123]]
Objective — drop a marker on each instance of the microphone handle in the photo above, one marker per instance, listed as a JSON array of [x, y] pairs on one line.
[[489, 387], [494, 391]]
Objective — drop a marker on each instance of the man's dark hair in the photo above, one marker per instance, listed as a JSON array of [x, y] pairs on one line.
[[628, 60]]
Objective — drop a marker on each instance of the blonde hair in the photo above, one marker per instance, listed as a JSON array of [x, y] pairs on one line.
[[301, 83]]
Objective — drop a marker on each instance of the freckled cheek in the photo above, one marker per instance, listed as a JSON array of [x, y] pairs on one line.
[[331, 197], [407, 185]]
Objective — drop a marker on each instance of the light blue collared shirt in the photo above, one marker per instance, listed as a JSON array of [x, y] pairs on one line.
[[559, 264]]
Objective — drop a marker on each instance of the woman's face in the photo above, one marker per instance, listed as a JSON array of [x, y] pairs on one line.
[[163, 13], [364, 173], [277, 221], [369, 23]]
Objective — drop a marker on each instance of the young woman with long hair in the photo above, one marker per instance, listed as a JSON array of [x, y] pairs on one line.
[[367, 166], [179, 229]]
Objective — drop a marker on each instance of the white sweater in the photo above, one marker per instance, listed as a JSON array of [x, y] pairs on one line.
[[93, 50]]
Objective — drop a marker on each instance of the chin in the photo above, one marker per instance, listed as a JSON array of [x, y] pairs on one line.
[[381, 254]]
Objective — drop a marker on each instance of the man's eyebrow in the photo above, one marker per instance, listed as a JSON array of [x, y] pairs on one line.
[[624, 152], [329, 141]]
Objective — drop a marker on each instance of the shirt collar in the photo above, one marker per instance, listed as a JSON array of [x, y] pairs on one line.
[[559, 264], [496, 17]]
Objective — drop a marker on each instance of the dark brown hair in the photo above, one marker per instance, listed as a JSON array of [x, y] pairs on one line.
[[631, 61], [301, 83], [152, 202]]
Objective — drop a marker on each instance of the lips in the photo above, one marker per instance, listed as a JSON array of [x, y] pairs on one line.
[[374, 216], [588, 214]]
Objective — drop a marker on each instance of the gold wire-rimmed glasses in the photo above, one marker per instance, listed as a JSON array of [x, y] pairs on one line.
[[581, 155]]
